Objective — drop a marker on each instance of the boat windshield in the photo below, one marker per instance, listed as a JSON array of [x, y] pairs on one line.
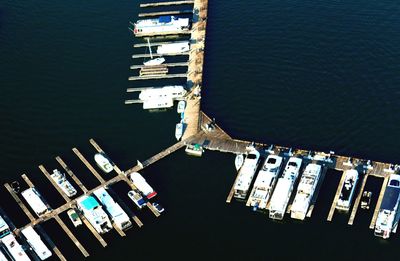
[[394, 183], [251, 156], [271, 161], [294, 164]]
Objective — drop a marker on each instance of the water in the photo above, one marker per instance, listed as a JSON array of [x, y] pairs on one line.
[[311, 74]]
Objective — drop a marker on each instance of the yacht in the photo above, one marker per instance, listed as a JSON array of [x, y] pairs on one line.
[[63, 183], [305, 191], [173, 48], [103, 162], [388, 216], [142, 185], [74, 217], [283, 190], [181, 106], [35, 201], [179, 130], [36, 243], [94, 213], [161, 25], [159, 103], [14, 249], [117, 214], [2, 256], [167, 92], [348, 190], [265, 182], [137, 198], [246, 174]]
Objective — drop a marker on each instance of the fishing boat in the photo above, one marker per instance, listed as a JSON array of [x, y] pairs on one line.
[[348, 190], [239, 161], [194, 149], [388, 216], [103, 162], [74, 217], [179, 130], [246, 174], [161, 25], [181, 106], [61, 181], [173, 48], [153, 61], [137, 198]]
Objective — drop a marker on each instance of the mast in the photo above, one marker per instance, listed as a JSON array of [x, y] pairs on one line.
[[148, 42]]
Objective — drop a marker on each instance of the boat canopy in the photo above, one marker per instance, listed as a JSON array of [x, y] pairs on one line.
[[89, 203], [390, 198], [165, 19]]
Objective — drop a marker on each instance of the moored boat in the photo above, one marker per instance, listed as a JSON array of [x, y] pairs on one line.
[[388, 216], [179, 130], [166, 92], [366, 199], [173, 48], [103, 162], [142, 185], [94, 213], [246, 174], [194, 150], [74, 217], [181, 106], [159, 103], [283, 191], [348, 190], [35, 201], [239, 159], [137, 198], [62, 182], [265, 182], [161, 25], [36, 243], [305, 191], [154, 61], [158, 207]]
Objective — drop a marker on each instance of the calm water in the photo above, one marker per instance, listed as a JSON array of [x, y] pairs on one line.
[[311, 74]]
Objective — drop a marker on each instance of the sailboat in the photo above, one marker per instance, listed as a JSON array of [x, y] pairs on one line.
[[155, 61]]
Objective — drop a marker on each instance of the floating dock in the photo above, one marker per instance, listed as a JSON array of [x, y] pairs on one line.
[[165, 13], [190, 2]]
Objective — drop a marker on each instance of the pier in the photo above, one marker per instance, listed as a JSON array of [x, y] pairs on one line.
[[378, 203], [189, 2], [165, 13], [147, 55], [357, 201], [155, 44], [141, 66]]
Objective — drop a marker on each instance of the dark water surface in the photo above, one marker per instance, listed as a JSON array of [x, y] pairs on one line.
[[312, 74]]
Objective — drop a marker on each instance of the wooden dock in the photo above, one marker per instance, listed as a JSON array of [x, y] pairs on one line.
[[141, 66], [71, 174], [88, 165], [94, 232], [379, 202], [156, 44], [316, 192], [175, 12], [357, 201], [155, 77], [189, 2], [336, 198], [147, 55], [50, 243], [46, 173], [19, 202]]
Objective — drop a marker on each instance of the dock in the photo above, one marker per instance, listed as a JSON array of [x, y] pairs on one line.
[[71, 174], [162, 76], [316, 192], [189, 2], [141, 66], [336, 198], [19, 202], [50, 243], [357, 201], [177, 12], [378, 203], [88, 165], [147, 55]]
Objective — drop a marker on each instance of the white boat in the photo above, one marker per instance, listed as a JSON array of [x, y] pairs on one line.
[[284, 187], [246, 174], [2, 256], [142, 185], [154, 61], [63, 183], [305, 191], [173, 48], [14, 249], [179, 131], [160, 103], [74, 217], [181, 106], [265, 182], [171, 92], [117, 214], [103, 162], [388, 216], [161, 25], [94, 213], [36, 243], [348, 190], [158, 207], [35, 201], [239, 159], [194, 150], [137, 198], [4, 228]]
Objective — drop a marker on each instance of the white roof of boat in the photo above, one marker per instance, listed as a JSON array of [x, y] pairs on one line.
[[15, 248], [247, 171], [292, 166], [36, 242], [301, 203], [141, 183], [3, 224], [279, 197], [33, 199], [113, 208]]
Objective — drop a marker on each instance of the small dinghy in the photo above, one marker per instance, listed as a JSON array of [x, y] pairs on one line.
[[181, 106], [239, 161]]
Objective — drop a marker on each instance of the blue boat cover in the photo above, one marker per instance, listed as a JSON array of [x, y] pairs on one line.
[[164, 19], [90, 203], [390, 198]]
